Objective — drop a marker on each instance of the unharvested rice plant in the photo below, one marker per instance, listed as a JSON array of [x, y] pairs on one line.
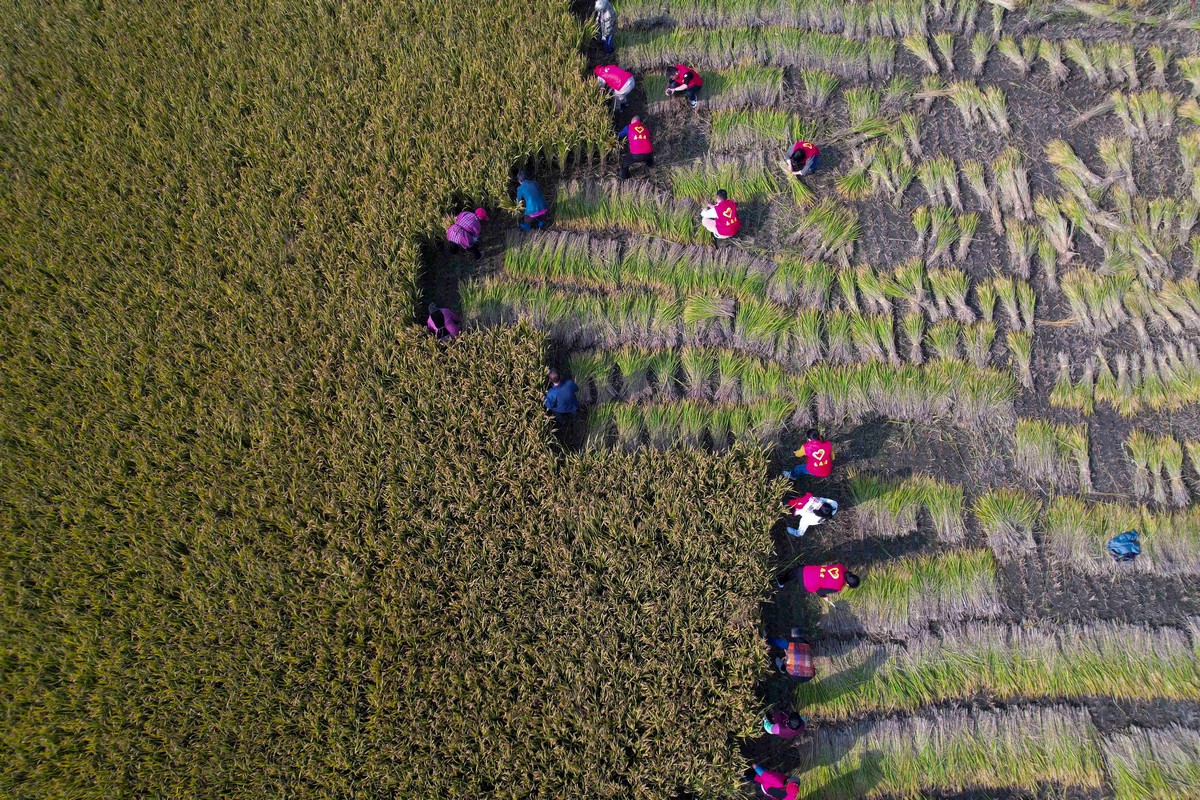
[[265, 537], [987, 295]]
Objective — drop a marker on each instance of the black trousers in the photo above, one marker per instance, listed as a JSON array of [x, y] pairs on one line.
[[453, 248], [635, 158]]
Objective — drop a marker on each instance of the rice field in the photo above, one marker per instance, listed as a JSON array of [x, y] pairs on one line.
[[264, 538]]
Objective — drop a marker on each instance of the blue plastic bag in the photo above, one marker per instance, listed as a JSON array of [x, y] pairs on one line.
[[1125, 547]]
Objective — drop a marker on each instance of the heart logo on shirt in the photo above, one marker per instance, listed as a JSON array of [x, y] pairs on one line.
[[819, 454]]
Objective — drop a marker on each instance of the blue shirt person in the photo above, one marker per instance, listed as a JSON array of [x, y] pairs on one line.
[[531, 195], [560, 400]]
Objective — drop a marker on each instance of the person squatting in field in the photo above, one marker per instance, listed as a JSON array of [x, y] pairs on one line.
[[530, 193], [560, 400], [773, 784], [811, 510], [793, 656], [682, 78], [721, 219], [820, 579], [463, 233], [802, 159], [640, 151], [606, 24], [818, 458], [784, 723], [444, 323], [617, 82]]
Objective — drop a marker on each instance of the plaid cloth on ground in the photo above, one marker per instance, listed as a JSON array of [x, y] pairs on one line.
[[799, 660]]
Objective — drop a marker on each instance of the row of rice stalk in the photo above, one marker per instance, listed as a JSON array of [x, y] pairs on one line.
[[1017, 298], [1101, 303], [1109, 63], [777, 46], [800, 282], [945, 391], [890, 508], [671, 267], [1053, 454], [951, 752], [939, 179], [626, 205], [1008, 517], [580, 321], [827, 230], [900, 598], [1162, 379], [950, 340], [918, 45], [1145, 115], [1189, 156], [1157, 463], [986, 108], [564, 258], [949, 391], [745, 179], [686, 423], [881, 168], [759, 128], [948, 289], [1076, 532], [1159, 763], [1023, 241], [888, 18], [1003, 663], [1021, 56], [943, 237], [737, 87]]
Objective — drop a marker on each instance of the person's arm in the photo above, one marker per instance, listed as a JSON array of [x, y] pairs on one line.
[[551, 400], [623, 134], [778, 642], [709, 213]]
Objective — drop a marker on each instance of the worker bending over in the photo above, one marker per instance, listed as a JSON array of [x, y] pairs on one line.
[[606, 23], [802, 159], [641, 151], [811, 510], [463, 233], [444, 323], [793, 656], [774, 784], [721, 218], [617, 82], [784, 723], [529, 193], [822, 580], [818, 457], [682, 78]]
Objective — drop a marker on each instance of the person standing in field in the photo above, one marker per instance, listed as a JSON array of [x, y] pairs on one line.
[[617, 82], [818, 457], [463, 233], [529, 193], [444, 323], [793, 656], [721, 218], [682, 78], [820, 579], [774, 784], [802, 159], [641, 151], [784, 723], [560, 400], [606, 23], [811, 510]]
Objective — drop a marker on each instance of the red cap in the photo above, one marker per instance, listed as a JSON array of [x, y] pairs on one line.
[[479, 212]]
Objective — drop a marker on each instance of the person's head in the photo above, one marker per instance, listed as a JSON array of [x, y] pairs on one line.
[[520, 177], [795, 721], [722, 195], [852, 580], [481, 214], [813, 434], [825, 510], [634, 119], [600, 4], [555, 378], [433, 309], [669, 72]]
